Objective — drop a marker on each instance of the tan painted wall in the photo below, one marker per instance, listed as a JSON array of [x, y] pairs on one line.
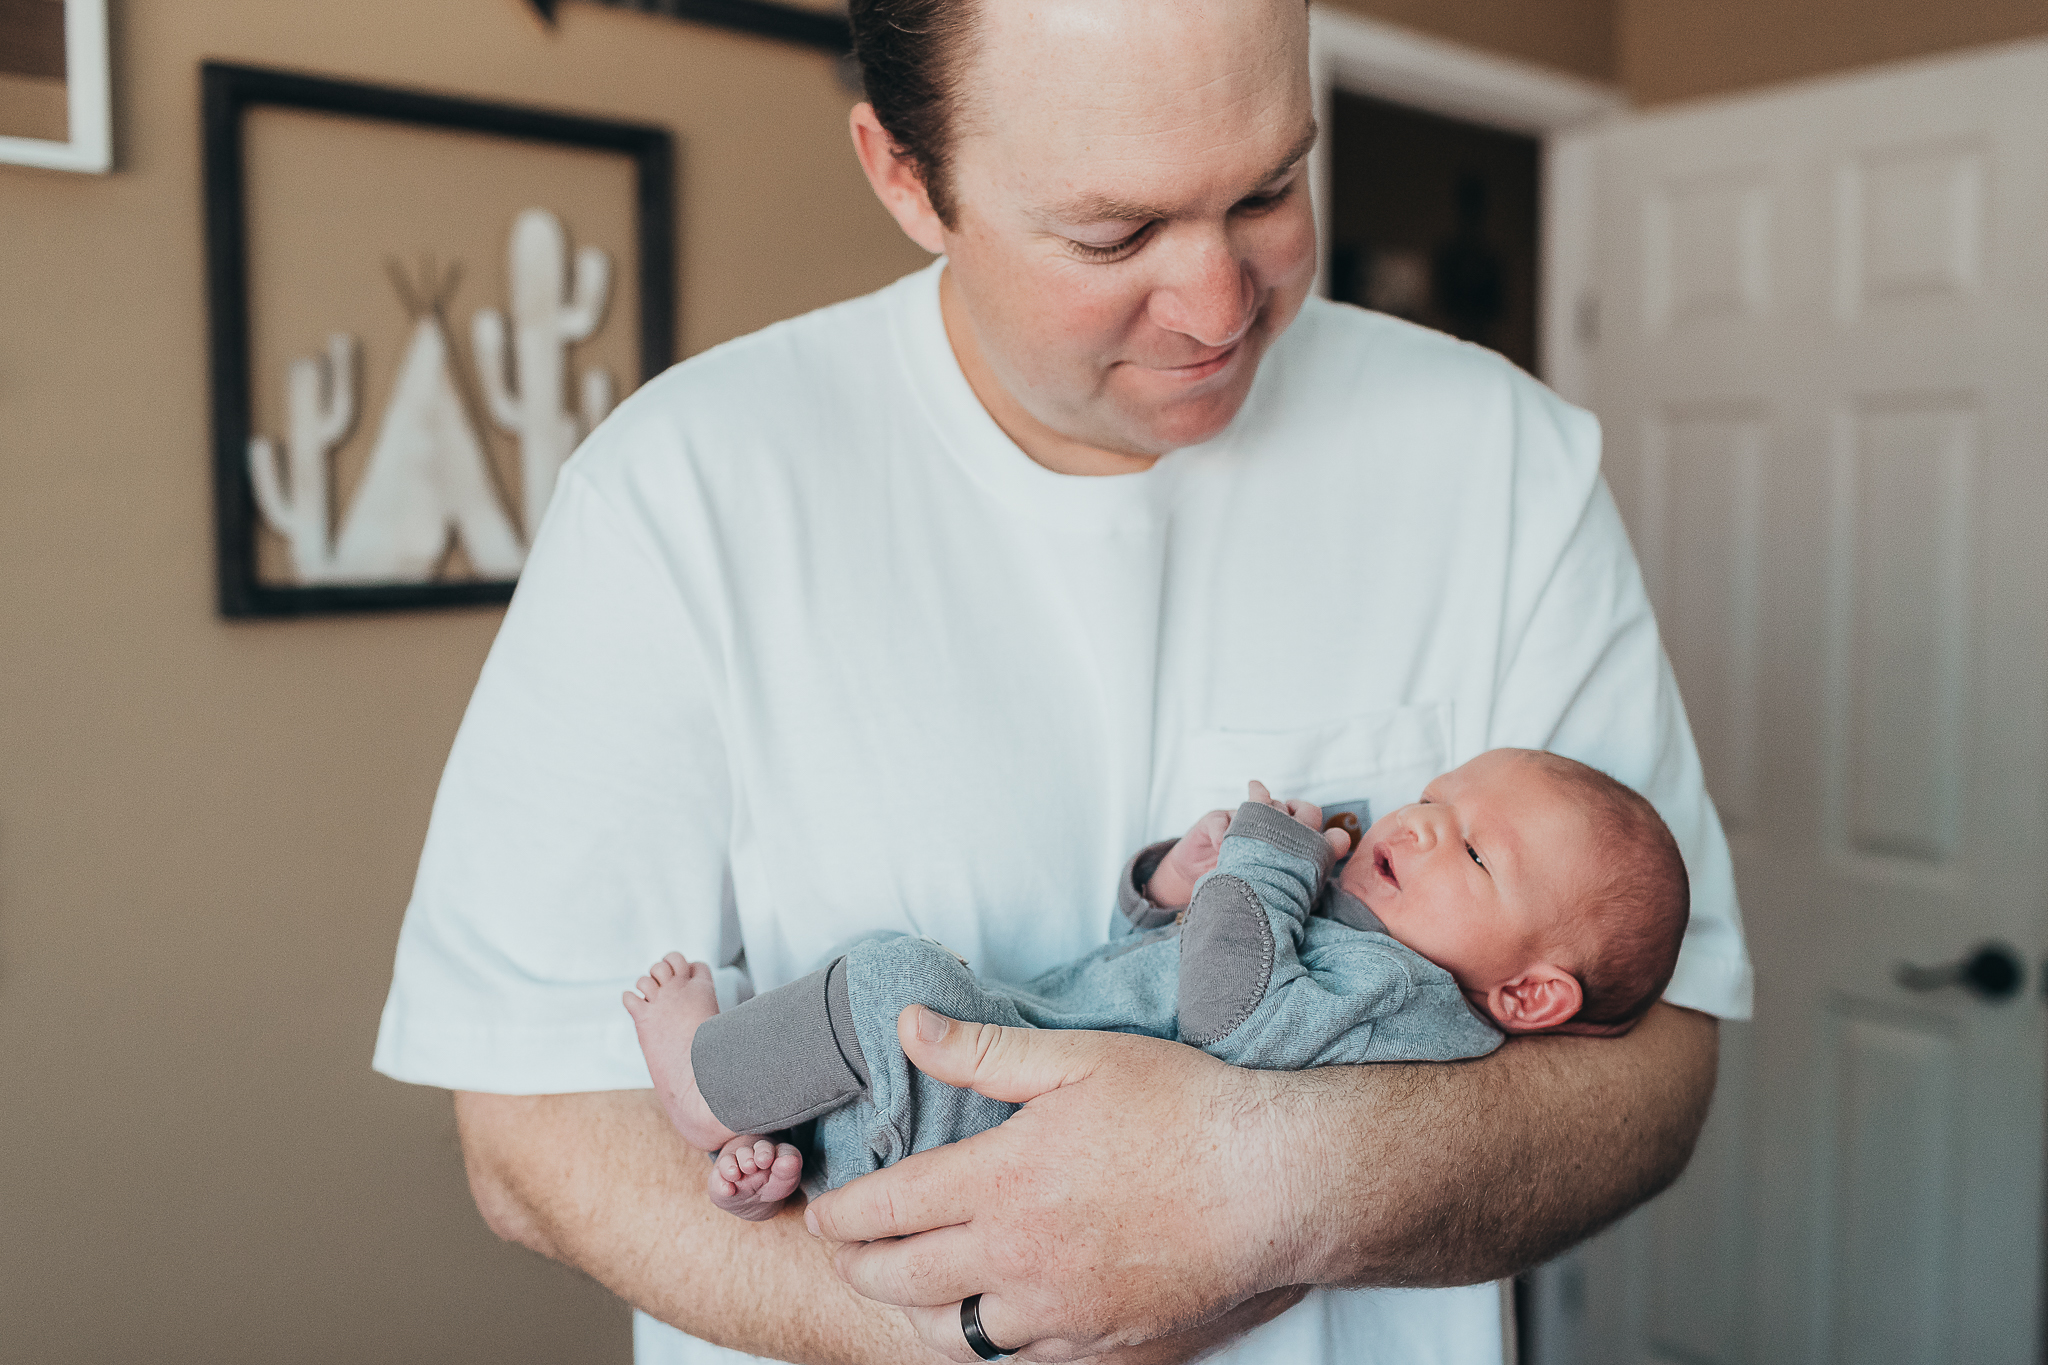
[[1679, 49], [207, 830]]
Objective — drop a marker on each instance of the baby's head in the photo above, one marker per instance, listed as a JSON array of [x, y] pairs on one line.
[[1554, 894]]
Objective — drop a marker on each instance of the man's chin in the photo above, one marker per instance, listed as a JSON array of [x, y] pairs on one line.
[[1186, 423]]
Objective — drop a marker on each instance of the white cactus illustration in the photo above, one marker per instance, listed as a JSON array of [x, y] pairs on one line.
[[427, 472], [549, 312], [321, 406]]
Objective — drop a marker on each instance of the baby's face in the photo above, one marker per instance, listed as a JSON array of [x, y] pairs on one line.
[[1476, 876]]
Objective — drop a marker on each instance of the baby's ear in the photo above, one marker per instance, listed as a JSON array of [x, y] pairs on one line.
[[1542, 997]]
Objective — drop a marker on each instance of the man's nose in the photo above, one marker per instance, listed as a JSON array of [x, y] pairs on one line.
[[1209, 298]]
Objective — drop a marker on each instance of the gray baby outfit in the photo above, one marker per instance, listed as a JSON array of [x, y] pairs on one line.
[[1250, 974]]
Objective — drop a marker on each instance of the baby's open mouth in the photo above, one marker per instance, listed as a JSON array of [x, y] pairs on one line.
[[1384, 865]]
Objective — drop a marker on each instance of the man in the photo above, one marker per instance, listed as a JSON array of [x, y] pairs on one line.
[[922, 612]]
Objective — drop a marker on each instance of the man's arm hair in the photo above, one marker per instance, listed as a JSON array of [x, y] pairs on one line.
[[1474, 1171], [1424, 1174], [603, 1183]]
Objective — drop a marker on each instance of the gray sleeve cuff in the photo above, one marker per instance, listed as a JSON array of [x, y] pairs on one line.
[[1276, 827], [781, 1058], [1130, 894]]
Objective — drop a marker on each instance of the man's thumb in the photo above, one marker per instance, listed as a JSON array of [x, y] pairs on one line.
[[1009, 1064]]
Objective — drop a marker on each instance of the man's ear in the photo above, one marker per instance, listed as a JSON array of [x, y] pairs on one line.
[[895, 180], [1542, 997]]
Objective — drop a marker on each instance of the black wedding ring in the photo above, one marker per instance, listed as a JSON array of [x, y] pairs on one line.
[[970, 1327]]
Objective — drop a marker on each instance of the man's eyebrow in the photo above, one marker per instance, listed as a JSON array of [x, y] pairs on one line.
[[1105, 208]]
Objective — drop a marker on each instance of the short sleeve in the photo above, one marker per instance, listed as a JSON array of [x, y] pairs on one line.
[[581, 829], [1584, 674]]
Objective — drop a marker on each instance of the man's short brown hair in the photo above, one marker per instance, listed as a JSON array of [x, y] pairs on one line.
[[912, 56]]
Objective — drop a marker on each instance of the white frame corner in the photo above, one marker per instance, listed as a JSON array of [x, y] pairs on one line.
[[89, 97]]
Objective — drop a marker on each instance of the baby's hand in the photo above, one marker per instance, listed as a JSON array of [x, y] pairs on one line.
[[752, 1176], [1307, 813], [1187, 862]]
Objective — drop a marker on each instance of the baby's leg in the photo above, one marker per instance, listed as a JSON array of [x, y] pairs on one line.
[[752, 1176], [675, 998], [825, 1048], [904, 1110]]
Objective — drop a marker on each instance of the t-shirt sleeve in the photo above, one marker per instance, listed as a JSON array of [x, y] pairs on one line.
[[580, 831], [1584, 674]]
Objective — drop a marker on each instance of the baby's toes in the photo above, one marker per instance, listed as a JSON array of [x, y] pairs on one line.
[[783, 1174]]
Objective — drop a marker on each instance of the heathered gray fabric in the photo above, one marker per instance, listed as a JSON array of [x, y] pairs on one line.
[[786, 1032], [1335, 995], [1256, 820], [841, 1013], [1347, 909], [1226, 959], [1131, 900]]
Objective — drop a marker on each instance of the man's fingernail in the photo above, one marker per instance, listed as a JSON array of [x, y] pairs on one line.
[[811, 1220], [931, 1025]]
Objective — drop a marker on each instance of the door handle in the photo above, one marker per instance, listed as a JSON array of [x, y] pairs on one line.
[[1992, 972]]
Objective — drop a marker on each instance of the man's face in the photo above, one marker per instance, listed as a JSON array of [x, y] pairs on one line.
[[1133, 225]]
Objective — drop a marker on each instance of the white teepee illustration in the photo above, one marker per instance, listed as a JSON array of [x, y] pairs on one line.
[[427, 474]]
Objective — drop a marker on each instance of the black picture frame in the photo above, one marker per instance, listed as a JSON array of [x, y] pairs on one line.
[[227, 93]]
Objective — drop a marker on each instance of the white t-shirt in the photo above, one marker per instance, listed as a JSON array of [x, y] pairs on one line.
[[808, 647]]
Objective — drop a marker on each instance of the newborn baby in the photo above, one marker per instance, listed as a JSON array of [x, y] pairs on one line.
[[1524, 893]]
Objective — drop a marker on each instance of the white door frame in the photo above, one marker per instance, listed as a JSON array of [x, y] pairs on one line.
[[1370, 57]]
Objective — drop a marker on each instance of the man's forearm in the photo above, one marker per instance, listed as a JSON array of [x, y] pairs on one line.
[[1442, 1175], [603, 1183]]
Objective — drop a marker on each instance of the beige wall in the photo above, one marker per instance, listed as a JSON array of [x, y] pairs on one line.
[[1679, 49], [207, 830]]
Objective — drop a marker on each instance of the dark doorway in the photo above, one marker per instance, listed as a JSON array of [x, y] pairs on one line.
[[1435, 220]]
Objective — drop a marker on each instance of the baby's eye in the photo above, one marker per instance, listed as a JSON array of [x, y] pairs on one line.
[[1475, 855]]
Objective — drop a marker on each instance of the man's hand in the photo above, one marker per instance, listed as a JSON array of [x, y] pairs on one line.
[[1146, 1189], [1100, 1216]]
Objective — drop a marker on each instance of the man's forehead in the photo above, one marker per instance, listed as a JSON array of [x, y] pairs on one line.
[[1081, 88]]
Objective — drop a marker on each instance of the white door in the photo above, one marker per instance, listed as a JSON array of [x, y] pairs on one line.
[[1822, 366]]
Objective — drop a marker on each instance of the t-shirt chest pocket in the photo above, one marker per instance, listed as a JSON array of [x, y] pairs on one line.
[[1383, 758]]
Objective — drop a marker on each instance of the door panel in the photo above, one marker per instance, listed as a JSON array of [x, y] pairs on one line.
[[1824, 385]]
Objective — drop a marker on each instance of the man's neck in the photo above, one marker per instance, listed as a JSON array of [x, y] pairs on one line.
[[1061, 454]]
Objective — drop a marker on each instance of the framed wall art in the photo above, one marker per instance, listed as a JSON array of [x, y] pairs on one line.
[[420, 304], [55, 99]]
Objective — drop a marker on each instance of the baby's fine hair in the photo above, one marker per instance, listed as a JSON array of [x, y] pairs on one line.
[[1638, 907]]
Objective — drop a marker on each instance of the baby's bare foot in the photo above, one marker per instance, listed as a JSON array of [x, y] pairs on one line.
[[675, 997], [752, 1177]]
